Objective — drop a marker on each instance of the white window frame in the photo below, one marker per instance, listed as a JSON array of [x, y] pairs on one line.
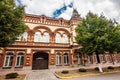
[[78, 59], [24, 36], [65, 39], [58, 58], [95, 57], [46, 37], [116, 58], [37, 37], [20, 57], [108, 58], [66, 59], [89, 59], [9, 57], [102, 58], [58, 38]]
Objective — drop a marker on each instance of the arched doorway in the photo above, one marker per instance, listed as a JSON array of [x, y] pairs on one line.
[[40, 61]]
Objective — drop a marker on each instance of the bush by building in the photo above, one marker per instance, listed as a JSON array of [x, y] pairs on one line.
[[11, 75], [65, 72], [82, 70]]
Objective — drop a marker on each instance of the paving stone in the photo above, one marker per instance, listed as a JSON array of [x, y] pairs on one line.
[[41, 75]]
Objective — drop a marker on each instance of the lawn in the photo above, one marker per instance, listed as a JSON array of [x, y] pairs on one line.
[[89, 72], [20, 77]]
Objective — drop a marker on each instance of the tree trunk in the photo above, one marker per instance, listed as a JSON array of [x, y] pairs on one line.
[[98, 60], [83, 59]]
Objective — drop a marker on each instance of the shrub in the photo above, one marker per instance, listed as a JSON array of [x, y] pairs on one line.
[[65, 72], [110, 67], [96, 69], [82, 70], [11, 75]]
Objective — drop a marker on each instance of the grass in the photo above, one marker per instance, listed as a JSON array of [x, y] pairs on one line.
[[76, 73], [20, 77]]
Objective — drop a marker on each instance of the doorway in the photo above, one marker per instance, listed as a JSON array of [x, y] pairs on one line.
[[40, 61]]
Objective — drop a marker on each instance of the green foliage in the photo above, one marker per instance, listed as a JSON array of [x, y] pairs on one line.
[[82, 70], [11, 75], [96, 69], [110, 67], [65, 72], [11, 22], [97, 34]]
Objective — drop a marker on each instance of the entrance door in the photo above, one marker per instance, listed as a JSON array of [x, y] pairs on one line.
[[40, 61]]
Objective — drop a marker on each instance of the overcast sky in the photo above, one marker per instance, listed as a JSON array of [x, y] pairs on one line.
[[110, 8]]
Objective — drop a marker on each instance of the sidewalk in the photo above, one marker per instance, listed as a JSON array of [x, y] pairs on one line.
[[6, 71], [88, 66], [41, 75]]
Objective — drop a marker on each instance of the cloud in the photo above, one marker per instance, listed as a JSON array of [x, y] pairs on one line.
[[58, 12], [106, 7], [110, 8], [42, 7]]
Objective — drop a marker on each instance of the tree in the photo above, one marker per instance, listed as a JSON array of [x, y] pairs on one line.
[[11, 22], [97, 34]]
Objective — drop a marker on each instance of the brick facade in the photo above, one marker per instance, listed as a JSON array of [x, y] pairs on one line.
[[61, 53]]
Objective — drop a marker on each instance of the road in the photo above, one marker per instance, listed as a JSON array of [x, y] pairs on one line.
[[111, 76]]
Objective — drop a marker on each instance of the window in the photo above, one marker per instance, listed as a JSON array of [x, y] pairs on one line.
[[95, 58], [58, 38], [24, 36], [89, 59], [37, 37], [102, 58], [58, 59], [116, 58], [65, 38], [20, 60], [8, 60], [46, 37], [78, 56], [66, 59], [108, 58]]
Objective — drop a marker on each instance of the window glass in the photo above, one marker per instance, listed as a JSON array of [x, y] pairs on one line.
[[46, 37], [65, 38], [89, 59], [20, 60], [102, 58], [24, 36], [58, 38], [58, 59], [37, 36], [8, 60], [66, 59]]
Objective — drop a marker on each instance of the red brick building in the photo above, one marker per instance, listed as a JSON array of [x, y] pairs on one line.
[[48, 43]]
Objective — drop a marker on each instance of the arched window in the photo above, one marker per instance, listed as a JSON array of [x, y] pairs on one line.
[[24, 36], [58, 59], [65, 38], [8, 60], [58, 38], [37, 37], [20, 60], [66, 59], [46, 37]]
